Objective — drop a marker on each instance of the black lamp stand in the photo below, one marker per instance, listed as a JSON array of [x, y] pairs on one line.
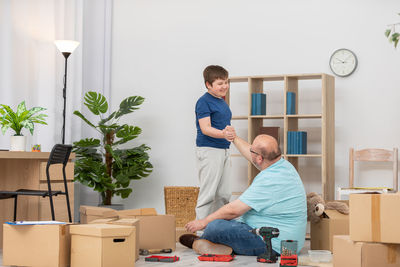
[[66, 55]]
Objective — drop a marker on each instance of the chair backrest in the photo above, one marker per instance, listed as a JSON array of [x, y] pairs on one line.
[[59, 155], [376, 155]]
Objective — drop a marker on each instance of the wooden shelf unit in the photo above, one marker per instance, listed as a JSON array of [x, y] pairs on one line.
[[291, 122]]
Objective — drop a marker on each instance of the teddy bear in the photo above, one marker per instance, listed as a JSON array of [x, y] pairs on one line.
[[316, 207]]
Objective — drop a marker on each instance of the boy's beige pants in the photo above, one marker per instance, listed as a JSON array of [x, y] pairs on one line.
[[213, 166]]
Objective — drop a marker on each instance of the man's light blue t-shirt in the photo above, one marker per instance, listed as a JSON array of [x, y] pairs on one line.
[[277, 199]]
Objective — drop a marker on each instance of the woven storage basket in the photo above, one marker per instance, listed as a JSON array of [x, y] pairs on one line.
[[181, 201]]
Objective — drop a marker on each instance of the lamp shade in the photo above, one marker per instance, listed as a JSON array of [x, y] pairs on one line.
[[66, 46]]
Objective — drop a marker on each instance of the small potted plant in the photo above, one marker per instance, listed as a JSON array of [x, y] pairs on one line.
[[103, 163], [393, 35], [18, 120]]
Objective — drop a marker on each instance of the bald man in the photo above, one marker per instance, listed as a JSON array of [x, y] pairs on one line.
[[276, 198]]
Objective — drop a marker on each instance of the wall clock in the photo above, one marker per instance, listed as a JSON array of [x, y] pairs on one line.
[[343, 62]]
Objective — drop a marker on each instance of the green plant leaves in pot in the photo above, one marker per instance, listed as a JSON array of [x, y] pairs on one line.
[[22, 118], [102, 163]]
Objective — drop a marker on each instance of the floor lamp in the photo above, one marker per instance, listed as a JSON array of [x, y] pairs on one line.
[[66, 47]]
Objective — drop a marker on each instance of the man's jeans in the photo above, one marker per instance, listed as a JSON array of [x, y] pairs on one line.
[[235, 235]]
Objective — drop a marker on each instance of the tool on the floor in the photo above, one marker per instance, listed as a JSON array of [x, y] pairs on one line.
[[288, 253], [288, 261], [145, 252], [267, 234], [162, 258], [216, 257]]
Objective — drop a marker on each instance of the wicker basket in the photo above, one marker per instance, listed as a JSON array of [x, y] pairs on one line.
[[181, 201]]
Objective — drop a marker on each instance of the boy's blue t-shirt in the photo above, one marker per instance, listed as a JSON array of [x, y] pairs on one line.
[[278, 199], [220, 116]]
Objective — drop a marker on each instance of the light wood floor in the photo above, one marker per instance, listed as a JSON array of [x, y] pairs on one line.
[[187, 257]]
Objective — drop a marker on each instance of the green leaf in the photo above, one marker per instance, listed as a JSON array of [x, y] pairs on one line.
[[124, 193], [96, 102], [21, 108], [28, 125], [80, 115], [5, 127], [127, 133], [33, 111], [395, 36], [87, 142], [123, 179], [387, 32], [129, 105]]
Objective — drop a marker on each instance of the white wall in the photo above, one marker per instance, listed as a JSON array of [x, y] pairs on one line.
[[160, 48]]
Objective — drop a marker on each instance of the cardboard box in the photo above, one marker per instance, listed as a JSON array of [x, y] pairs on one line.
[[136, 212], [102, 245], [36, 245], [126, 221], [103, 221], [347, 253], [322, 233], [90, 213], [374, 218], [130, 222], [180, 231], [157, 232]]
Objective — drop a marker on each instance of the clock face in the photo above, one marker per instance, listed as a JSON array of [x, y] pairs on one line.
[[343, 62]]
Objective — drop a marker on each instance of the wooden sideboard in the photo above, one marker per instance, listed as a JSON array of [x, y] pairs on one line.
[[28, 170]]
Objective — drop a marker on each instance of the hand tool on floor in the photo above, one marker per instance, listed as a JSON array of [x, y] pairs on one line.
[[288, 253], [267, 234], [288, 261], [216, 257], [145, 252], [162, 258]]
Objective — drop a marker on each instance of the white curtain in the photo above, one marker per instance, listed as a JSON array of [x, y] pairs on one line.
[[32, 69]]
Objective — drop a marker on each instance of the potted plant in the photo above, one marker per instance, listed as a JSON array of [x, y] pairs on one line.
[[18, 120], [102, 163], [392, 35]]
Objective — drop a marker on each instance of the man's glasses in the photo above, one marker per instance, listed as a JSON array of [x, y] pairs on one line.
[[251, 151]]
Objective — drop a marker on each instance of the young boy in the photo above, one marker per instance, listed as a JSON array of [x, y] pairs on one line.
[[214, 134]]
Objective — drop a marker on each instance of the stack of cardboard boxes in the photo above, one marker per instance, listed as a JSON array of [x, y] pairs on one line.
[[322, 233], [112, 238], [374, 238]]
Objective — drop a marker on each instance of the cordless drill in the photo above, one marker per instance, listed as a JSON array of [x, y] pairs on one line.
[[267, 234]]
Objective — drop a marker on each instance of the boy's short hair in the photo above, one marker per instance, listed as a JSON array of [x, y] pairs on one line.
[[214, 72]]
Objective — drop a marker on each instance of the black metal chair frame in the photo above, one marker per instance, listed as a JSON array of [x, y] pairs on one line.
[[59, 155]]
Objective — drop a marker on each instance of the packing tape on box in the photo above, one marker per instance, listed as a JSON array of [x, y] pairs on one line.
[[391, 257], [376, 217]]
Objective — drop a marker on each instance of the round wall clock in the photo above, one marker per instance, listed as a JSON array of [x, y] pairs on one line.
[[343, 62]]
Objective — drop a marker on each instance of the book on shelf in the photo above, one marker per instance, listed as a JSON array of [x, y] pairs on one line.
[[303, 142], [272, 131], [290, 103], [258, 104], [296, 142]]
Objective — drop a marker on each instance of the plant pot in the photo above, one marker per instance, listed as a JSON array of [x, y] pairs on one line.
[[18, 143]]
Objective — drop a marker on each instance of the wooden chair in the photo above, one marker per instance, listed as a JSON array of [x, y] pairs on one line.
[[59, 155], [371, 155]]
